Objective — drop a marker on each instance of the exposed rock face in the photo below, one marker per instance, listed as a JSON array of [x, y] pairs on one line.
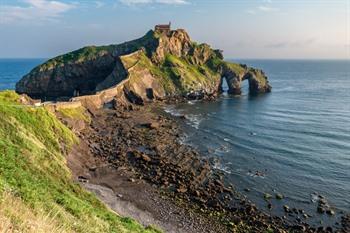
[[177, 43], [81, 72], [235, 74], [155, 66], [62, 81], [258, 82]]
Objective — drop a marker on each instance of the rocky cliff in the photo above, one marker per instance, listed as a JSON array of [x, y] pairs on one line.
[[156, 66]]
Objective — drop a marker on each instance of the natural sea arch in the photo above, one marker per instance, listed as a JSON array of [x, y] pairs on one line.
[[257, 82]]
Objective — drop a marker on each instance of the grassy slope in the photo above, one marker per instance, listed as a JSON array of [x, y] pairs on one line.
[[37, 192], [94, 52], [86, 53], [75, 113], [176, 75]]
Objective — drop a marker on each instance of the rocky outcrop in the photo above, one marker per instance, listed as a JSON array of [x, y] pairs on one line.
[[65, 81], [81, 72], [177, 43], [235, 74], [156, 66], [258, 82]]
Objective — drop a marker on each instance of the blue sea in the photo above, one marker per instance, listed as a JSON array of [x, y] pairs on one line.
[[294, 140], [11, 70]]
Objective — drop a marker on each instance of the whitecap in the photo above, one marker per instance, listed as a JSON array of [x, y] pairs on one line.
[[194, 120], [315, 197], [220, 167], [173, 111]]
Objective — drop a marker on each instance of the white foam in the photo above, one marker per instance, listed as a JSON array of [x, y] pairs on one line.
[[173, 111], [194, 120], [220, 167]]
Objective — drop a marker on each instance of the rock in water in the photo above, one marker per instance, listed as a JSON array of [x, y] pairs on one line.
[[154, 66]]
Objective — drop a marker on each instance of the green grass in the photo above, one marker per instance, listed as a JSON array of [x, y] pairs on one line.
[[33, 174], [86, 53], [75, 113], [94, 52], [186, 76], [236, 68], [142, 62], [176, 75]]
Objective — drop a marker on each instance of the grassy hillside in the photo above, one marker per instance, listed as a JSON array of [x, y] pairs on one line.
[[174, 74], [37, 193]]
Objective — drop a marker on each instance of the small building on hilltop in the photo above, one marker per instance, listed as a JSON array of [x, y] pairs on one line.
[[163, 28]]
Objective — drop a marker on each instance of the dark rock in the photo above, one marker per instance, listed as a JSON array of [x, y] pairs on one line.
[[320, 209], [269, 206], [83, 179], [267, 196], [299, 228], [92, 168], [330, 212], [151, 125], [286, 209]]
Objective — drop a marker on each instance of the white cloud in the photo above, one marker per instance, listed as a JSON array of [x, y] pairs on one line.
[[99, 4], [167, 2], [267, 8], [37, 10]]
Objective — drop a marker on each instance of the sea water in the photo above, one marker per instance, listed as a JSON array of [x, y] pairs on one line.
[[294, 141]]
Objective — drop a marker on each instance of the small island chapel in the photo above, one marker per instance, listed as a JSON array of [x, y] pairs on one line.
[[163, 28]]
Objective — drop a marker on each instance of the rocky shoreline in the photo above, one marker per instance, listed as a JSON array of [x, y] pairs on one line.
[[137, 153]]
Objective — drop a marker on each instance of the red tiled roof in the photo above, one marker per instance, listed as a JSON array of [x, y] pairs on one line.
[[163, 26]]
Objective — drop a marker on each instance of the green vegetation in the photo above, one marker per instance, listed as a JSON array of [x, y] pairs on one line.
[[215, 63], [141, 63], [86, 53], [37, 193], [75, 113], [176, 75], [94, 52], [186, 76], [130, 60], [236, 68]]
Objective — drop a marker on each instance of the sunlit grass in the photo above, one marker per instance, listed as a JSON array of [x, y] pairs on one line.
[[36, 189]]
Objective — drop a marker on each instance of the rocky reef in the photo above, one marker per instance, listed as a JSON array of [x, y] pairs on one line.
[[156, 66]]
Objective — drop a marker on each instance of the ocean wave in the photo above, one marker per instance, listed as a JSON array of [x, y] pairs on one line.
[[194, 120], [183, 139], [218, 166], [172, 110], [256, 174], [284, 89]]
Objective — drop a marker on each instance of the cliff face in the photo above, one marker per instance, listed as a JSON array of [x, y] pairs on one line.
[[156, 66]]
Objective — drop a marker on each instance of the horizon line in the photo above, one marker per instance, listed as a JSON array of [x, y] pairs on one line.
[[230, 58]]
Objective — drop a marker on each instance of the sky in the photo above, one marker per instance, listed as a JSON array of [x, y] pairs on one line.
[[276, 29]]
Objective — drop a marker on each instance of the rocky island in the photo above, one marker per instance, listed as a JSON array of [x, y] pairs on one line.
[[162, 64], [107, 104]]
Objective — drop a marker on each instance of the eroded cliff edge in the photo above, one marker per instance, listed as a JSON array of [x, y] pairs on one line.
[[155, 66]]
